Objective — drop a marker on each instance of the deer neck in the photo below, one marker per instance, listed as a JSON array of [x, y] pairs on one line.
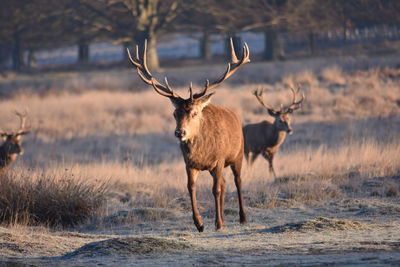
[[279, 137], [5, 157], [195, 150], [195, 142]]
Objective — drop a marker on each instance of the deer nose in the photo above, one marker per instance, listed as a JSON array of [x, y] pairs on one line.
[[180, 133]]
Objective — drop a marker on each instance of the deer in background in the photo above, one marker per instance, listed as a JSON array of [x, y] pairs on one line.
[[265, 137], [210, 136], [11, 146]]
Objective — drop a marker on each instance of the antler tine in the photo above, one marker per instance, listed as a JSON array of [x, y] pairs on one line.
[[294, 95], [191, 91], [258, 93], [145, 58], [295, 105], [234, 58], [22, 118], [134, 63], [232, 67], [146, 76], [137, 52]]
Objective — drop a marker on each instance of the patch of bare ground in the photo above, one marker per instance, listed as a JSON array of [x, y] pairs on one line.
[[319, 224], [28, 242], [127, 246], [284, 236]]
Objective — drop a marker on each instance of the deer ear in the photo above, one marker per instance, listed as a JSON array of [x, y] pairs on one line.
[[175, 101], [204, 101], [272, 113]]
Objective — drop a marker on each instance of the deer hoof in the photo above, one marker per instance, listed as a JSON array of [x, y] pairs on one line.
[[200, 228]]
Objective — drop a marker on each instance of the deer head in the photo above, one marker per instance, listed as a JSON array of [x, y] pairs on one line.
[[188, 112], [281, 116], [13, 140]]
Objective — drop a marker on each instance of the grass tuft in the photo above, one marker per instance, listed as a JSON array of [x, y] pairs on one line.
[[48, 200]]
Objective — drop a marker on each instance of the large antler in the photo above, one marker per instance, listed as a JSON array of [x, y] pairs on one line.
[[166, 90], [233, 66], [292, 107], [295, 105], [258, 93], [22, 118], [147, 77]]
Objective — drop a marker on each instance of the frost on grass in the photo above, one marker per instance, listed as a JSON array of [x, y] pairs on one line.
[[126, 247], [318, 224], [138, 215]]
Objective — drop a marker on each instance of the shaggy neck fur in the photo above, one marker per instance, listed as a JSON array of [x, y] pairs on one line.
[[219, 138], [278, 137]]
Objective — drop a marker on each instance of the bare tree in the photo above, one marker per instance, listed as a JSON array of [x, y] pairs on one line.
[[210, 136], [16, 19], [136, 20]]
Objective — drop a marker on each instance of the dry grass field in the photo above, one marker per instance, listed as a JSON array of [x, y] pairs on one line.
[[336, 199]]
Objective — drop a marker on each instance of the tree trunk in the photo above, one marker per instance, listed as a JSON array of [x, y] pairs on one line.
[[31, 62], [311, 43], [273, 49], [17, 55], [344, 33], [152, 55], [237, 45], [83, 52], [205, 48], [3, 53]]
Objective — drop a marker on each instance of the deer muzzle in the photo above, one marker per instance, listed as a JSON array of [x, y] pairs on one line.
[[180, 134]]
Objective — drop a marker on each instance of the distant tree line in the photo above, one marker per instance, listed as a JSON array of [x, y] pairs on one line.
[[29, 25]]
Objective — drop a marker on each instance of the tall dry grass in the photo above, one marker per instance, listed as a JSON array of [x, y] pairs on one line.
[[345, 136], [39, 198]]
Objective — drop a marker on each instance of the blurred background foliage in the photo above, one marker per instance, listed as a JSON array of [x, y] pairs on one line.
[[283, 27]]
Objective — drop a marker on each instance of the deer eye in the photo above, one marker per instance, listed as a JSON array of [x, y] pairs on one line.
[[194, 113]]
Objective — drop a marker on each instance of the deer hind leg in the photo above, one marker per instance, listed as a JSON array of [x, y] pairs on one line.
[[270, 158], [192, 177], [253, 157], [246, 156], [218, 191], [236, 169]]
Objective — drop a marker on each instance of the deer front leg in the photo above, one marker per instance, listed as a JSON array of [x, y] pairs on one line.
[[218, 190], [270, 158], [222, 199], [192, 177]]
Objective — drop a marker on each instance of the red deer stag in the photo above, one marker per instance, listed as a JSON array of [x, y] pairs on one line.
[[210, 136], [11, 146], [265, 137]]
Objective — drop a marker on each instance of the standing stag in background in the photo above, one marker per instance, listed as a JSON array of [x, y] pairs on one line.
[[210, 136], [11, 146], [265, 137]]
